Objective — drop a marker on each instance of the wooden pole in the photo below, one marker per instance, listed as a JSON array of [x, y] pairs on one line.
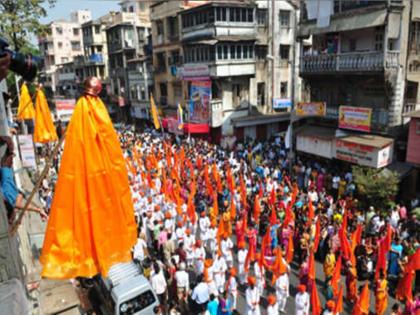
[[38, 183]]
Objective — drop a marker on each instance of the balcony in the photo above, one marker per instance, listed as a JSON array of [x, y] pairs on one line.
[[349, 62], [232, 68]]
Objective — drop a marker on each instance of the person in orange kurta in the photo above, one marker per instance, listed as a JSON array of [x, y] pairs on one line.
[[381, 294], [351, 283]]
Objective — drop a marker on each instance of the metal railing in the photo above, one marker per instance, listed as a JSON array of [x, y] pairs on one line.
[[347, 62], [410, 107]]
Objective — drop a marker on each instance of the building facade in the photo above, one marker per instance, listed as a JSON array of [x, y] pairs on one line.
[[63, 43], [126, 40], [359, 58]]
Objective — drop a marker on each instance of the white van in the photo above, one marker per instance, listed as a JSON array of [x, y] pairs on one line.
[[125, 292]]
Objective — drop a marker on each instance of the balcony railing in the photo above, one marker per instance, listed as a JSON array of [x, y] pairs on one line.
[[348, 62]]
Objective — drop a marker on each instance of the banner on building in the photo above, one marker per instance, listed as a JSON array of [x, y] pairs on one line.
[[311, 109], [65, 108], [355, 118], [174, 126], [27, 152], [281, 103], [200, 95], [194, 72]]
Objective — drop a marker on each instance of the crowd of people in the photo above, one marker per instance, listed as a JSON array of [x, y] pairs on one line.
[[217, 223]]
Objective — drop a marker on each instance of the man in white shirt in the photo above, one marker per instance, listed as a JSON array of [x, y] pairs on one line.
[[200, 294], [158, 283], [182, 281], [140, 248], [226, 248], [204, 224], [302, 301], [282, 291], [252, 298], [219, 272], [242, 253]]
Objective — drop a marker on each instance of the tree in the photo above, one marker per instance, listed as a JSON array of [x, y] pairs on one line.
[[21, 18], [375, 187]]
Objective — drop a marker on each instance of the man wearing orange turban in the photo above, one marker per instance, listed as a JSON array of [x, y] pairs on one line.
[[302, 301], [273, 307], [252, 298]]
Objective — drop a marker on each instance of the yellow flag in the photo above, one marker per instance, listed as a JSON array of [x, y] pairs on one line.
[[26, 107], [91, 225], [154, 112], [44, 128]]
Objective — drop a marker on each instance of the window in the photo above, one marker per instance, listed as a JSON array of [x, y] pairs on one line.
[[142, 93], [261, 93], [245, 51], [161, 63], [262, 17], [225, 52], [133, 92], [163, 89], [236, 94], [219, 52], [283, 89], [238, 52], [59, 30], [172, 23], [250, 15], [379, 39], [284, 17], [220, 14], [232, 52], [175, 57], [284, 52], [142, 6], [131, 9], [76, 31], [64, 59], [60, 45], [75, 46], [159, 27], [97, 29], [352, 44]]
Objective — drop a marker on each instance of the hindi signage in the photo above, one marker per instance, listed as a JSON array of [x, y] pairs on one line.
[[355, 118], [65, 108], [27, 152], [311, 109]]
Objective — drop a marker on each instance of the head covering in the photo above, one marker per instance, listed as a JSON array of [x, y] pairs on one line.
[[302, 288], [198, 243], [271, 299], [188, 231], [180, 224], [208, 263], [203, 214], [233, 271], [157, 208], [168, 215], [251, 281], [241, 245], [330, 305]]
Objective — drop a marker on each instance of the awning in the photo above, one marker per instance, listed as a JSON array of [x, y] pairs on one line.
[[196, 128], [255, 120], [369, 140], [345, 23]]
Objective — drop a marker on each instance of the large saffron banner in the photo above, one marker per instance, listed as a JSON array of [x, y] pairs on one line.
[[200, 95]]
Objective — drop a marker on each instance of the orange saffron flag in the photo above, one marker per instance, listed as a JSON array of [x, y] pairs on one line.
[[315, 302], [362, 304], [339, 303], [44, 130], [336, 277], [311, 266], [91, 225], [279, 267], [26, 107], [317, 235], [290, 249], [311, 212], [243, 192], [232, 209]]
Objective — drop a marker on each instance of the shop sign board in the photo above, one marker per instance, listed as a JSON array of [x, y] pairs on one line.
[[65, 108], [355, 118], [27, 151], [311, 109], [363, 154], [281, 103]]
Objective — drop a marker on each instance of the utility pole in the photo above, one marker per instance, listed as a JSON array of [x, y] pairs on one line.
[[292, 94]]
